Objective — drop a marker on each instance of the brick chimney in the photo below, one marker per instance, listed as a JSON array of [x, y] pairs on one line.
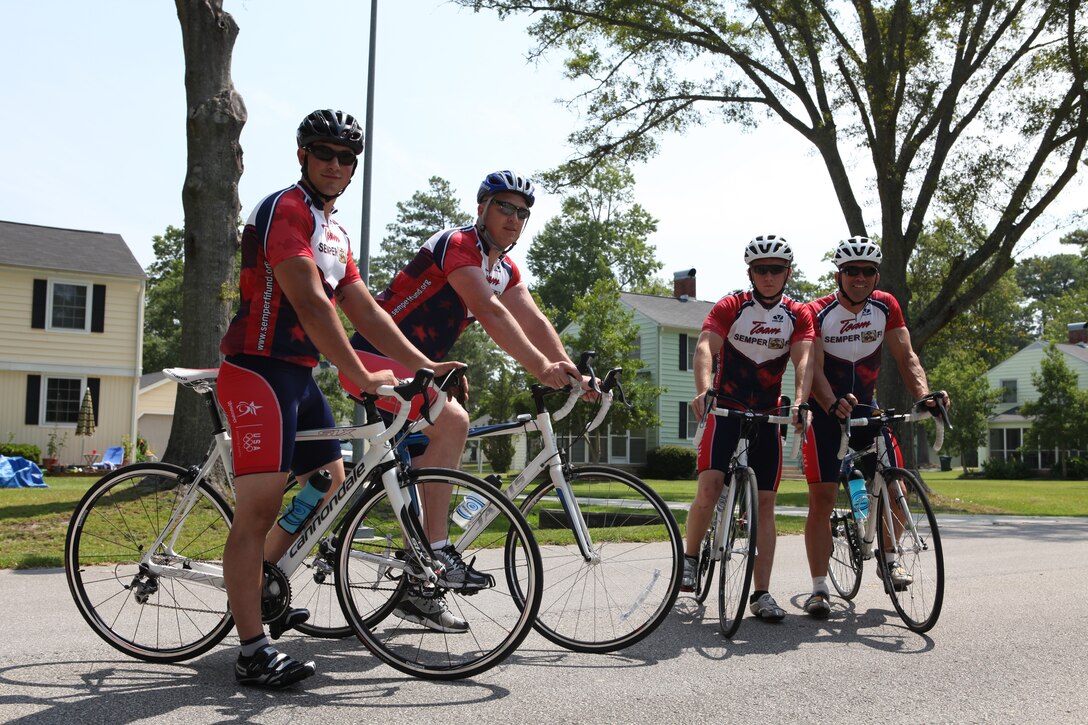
[[1078, 333], [683, 284]]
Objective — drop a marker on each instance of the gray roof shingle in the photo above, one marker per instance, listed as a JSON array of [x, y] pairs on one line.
[[66, 250], [669, 311]]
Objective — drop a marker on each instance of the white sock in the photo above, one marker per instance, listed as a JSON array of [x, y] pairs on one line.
[[819, 584], [436, 545]]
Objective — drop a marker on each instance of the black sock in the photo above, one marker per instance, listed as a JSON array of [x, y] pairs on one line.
[[756, 595]]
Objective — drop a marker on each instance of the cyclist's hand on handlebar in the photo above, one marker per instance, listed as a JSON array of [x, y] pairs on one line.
[[457, 392], [932, 399], [555, 375], [589, 391], [698, 405], [372, 379], [842, 407]]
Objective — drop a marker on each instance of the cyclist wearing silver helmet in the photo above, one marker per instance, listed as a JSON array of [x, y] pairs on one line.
[[751, 335], [296, 265], [459, 276], [852, 325]]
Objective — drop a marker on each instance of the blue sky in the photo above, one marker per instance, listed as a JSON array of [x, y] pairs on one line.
[[94, 126]]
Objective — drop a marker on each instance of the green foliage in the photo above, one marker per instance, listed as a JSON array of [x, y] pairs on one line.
[[57, 441], [499, 451], [1014, 468], [1057, 290], [486, 361], [24, 450], [162, 309], [1076, 469], [670, 463], [963, 376], [417, 219], [1061, 411], [328, 380], [600, 234]]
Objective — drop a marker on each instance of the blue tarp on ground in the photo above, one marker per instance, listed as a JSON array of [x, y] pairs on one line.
[[20, 473]]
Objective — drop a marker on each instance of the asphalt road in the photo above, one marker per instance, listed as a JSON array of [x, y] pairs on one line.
[[1011, 645]]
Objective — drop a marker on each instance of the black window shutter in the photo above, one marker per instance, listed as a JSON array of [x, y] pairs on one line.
[[98, 308], [93, 385], [37, 314], [683, 352], [33, 397], [683, 429]]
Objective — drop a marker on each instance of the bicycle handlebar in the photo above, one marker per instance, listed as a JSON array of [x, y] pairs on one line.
[[749, 415], [881, 418], [404, 392]]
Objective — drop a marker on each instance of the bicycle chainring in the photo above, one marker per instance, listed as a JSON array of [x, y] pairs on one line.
[[275, 594]]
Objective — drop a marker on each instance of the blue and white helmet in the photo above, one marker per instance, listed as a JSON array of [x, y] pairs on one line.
[[498, 181], [768, 247], [857, 249]]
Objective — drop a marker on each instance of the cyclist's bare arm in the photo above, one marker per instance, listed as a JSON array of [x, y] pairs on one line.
[[821, 388], [705, 349], [378, 328], [300, 280], [801, 357], [502, 326]]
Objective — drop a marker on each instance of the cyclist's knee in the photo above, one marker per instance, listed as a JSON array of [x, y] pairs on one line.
[[452, 423]]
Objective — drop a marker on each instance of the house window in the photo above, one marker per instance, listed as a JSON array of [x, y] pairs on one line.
[[1008, 391], [637, 444], [1005, 443], [69, 307], [618, 446], [61, 400], [636, 348], [688, 422], [687, 352]]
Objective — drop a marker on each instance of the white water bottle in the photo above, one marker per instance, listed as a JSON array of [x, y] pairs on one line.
[[470, 505], [859, 497]]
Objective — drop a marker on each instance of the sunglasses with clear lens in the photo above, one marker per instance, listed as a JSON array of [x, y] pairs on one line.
[[859, 271], [324, 153], [509, 209], [769, 268]]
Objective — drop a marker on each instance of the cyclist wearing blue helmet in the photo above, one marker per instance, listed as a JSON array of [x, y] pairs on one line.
[[460, 276]]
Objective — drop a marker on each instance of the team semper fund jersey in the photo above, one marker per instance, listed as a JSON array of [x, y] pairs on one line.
[[284, 225], [756, 348], [421, 300], [852, 343]]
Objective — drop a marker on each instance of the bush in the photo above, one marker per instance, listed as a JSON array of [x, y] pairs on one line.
[[1077, 469], [1006, 470], [24, 450], [499, 452], [670, 463]]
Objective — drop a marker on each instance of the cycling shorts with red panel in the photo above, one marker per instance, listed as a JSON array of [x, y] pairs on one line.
[[820, 452], [719, 442], [267, 401]]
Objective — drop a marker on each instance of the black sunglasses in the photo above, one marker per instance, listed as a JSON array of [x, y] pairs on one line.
[[324, 153], [509, 209], [859, 271], [769, 268]]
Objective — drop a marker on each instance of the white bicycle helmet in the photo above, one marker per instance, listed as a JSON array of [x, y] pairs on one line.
[[857, 249], [768, 247]]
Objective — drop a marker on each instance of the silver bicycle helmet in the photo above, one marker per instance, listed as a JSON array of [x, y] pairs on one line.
[[857, 249], [768, 247]]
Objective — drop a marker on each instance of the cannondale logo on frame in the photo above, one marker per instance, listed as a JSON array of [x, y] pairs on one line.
[[251, 442]]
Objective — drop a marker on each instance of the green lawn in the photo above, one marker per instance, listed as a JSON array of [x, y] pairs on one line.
[[33, 522]]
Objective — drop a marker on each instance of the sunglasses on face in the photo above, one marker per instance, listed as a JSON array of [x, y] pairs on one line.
[[859, 271], [324, 153], [509, 209], [769, 268]]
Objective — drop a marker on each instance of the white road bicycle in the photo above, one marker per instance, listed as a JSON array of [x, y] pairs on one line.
[[143, 554], [610, 547], [900, 517], [730, 542]]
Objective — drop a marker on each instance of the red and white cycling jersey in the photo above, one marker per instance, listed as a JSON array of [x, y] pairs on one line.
[[421, 300], [852, 342], [284, 225], [756, 348]]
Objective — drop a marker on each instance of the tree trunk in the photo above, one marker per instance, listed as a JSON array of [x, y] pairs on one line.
[[215, 115]]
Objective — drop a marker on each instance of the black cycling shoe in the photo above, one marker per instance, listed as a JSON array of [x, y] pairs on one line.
[[270, 668], [288, 620]]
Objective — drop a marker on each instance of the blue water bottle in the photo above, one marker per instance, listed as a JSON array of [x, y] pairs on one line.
[[305, 501], [859, 497]]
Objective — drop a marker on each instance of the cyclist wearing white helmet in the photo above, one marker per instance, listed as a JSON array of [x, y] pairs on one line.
[[296, 264], [459, 276], [752, 335], [852, 325]]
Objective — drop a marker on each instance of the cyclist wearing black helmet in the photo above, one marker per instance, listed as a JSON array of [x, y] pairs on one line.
[[296, 266], [459, 276]]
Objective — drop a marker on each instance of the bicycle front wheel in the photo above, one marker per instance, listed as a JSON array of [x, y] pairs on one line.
[[917, 589], [738, 558], [165, 616], [627, 584], [381, 597], [846, 563]]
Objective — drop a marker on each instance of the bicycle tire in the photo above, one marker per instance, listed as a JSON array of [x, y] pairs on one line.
[[845, 565], [617, 599], [115, 523], [918, 549], [704, 568], [738, 558], [498, 618]]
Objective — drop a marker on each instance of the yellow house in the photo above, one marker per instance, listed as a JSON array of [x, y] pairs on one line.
[[71, 318]]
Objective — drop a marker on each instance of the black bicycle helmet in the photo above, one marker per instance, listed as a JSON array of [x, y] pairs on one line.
[[332, 126]]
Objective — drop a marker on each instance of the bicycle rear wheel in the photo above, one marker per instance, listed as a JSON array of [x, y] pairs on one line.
[[738, 558], [846, 563], [917, 547], [112, 532], [631, 581], [704, 569], [371, 581]]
